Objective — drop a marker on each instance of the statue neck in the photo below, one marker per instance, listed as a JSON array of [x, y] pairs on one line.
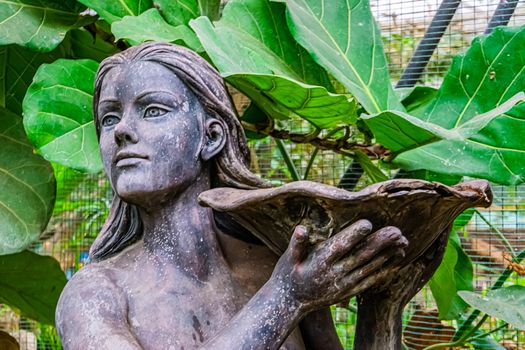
[[182, 233]]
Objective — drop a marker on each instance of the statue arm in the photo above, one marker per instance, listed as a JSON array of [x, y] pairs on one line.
[[308, 277], [91, 314]]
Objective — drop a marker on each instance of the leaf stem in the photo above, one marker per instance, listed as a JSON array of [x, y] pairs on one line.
[[310, 163], [316, 150], [461, 340], [482, 335], [497, 232], [288, 160]]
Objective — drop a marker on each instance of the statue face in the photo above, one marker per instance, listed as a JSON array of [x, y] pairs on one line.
[[150, 134]]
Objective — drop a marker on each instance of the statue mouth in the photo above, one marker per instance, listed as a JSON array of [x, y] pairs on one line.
[[126, 158]]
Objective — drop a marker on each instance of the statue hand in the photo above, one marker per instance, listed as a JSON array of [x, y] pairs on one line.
[[342, 266]]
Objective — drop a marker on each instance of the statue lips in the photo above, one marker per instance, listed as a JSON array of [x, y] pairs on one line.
[[422, 210], [128, 158]]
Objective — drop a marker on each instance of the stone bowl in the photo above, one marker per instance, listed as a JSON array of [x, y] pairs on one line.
[[422, 210]]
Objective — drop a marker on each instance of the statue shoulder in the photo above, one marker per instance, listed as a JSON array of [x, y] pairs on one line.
[[92, 297]]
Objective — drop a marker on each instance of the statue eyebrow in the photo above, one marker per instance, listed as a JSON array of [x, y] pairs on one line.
[[145, 94]]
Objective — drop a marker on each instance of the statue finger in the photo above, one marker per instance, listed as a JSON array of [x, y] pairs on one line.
[[355, 288], [299, 243], [373, 272], [387, 237], [340, 244]]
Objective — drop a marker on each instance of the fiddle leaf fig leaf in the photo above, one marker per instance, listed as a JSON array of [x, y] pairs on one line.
[[417, 144], [374, 173], [210, 8], [487, 75], [32, 284], [28, 188], [113, 11], [178, 12], [454, 273], [400, 131], [344, 38], [414, 98], [84, 45], [41, 25], [58, 114], [253, 49], [20, 67], [504, 303], [313, 103], [150, 26]]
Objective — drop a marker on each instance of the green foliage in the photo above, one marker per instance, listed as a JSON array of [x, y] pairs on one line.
[[253, 49], [19, 66], [343, 37], [151, 26], [39, 25], [58, 114], [485, 77], [112, 11], [178, 12], [504, 303], [32, 284], [85, 45], [28, 187], [455, 273]]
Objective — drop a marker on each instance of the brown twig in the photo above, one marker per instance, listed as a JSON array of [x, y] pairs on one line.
[[340, 145]]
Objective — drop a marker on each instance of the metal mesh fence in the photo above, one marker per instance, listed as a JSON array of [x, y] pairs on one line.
[[84, 201]]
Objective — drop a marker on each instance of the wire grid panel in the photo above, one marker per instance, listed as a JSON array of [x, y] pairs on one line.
[[79, 217]]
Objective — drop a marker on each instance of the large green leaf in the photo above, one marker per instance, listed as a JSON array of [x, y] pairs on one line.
[[494, 152], [255, 39], [210, 8], [343, 37], [400, 131], [114, 10], [32, 284], [507, 304], [58, 114], [416, 97], [178, 12], [455, 273], [20, 66], [486, 76], [85, 45], [182, 11], [28, 187], [458, 150], [313, 103], [39, 25], [150, 26], [251, 42]]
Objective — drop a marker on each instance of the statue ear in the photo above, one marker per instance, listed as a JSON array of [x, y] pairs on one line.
[[215, 131]]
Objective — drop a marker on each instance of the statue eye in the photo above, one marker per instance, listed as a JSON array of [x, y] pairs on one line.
[[153, 112], [110, 120]]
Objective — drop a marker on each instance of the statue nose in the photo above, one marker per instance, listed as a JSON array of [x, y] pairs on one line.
[[125, 132]]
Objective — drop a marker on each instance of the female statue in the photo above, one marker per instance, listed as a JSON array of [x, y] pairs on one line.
[[168, 273]]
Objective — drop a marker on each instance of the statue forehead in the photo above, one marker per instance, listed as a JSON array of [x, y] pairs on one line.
[[132, 78]]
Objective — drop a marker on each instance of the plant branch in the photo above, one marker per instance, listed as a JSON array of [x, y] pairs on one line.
[[340, 145]]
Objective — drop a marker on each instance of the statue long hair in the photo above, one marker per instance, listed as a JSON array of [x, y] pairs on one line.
[[123, 226]]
